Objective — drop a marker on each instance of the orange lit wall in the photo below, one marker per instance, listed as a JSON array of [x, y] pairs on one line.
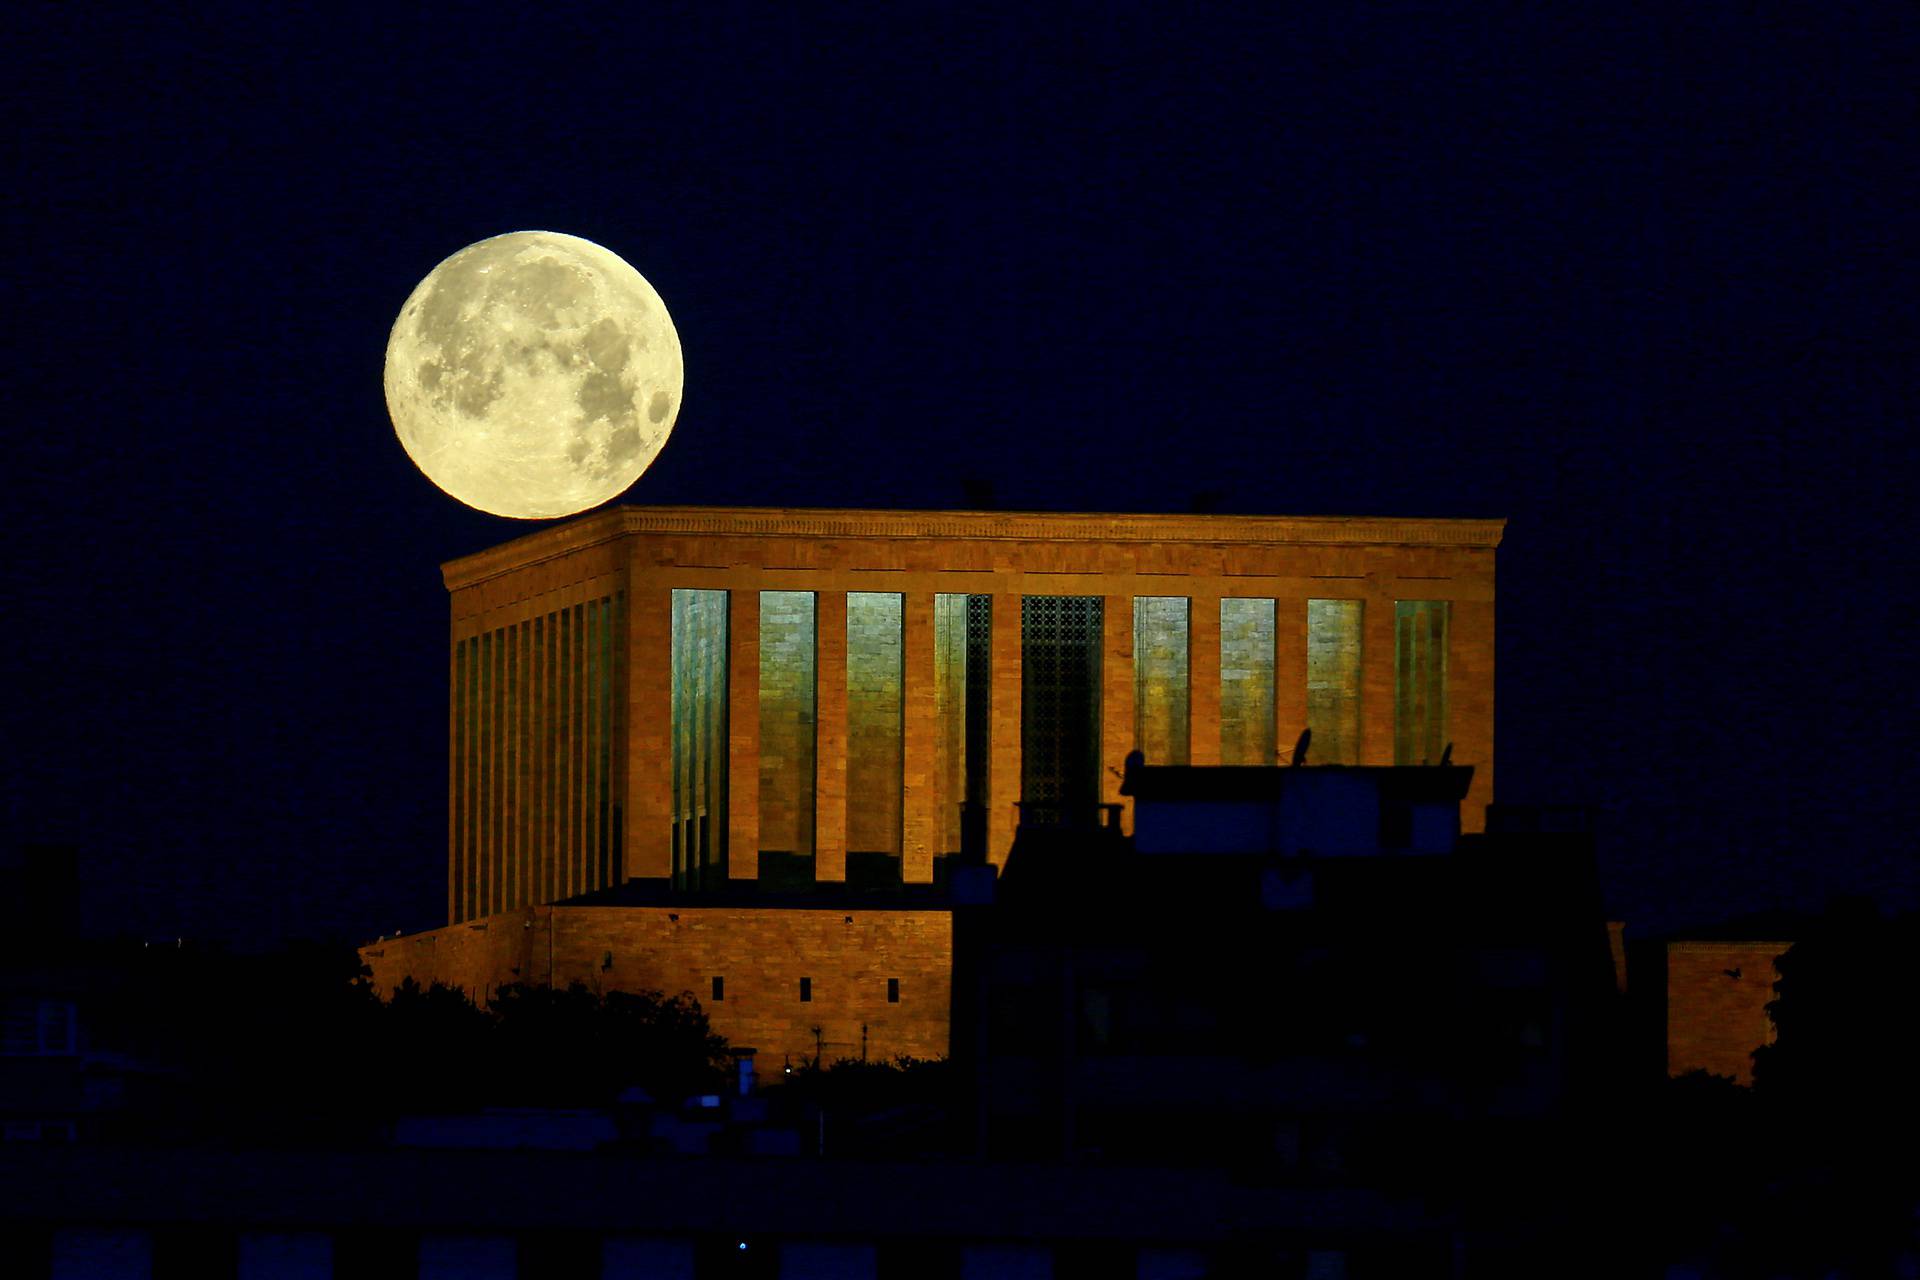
[[760, 953], [561, 711], [1717, 995]]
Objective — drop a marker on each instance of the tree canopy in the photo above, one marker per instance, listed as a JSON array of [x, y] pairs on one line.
[[1843, 1013], [296, 1046]]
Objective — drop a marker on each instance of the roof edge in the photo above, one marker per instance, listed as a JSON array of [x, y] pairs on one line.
[[616, 522]]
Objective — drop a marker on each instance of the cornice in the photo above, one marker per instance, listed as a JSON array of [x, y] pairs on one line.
[[548, 544], [1004, 526], [1725, 944]]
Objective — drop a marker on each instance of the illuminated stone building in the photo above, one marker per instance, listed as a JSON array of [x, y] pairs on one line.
[[738, 712]]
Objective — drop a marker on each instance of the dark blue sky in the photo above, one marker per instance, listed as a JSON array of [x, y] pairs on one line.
[[1641, 281]]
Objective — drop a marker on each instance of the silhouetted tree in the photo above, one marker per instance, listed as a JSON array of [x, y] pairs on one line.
[[1843, 1014], [261, 1048], [1838, 1089], [431, 1050], [295, 1048], [573, 1047], [890, 1108]]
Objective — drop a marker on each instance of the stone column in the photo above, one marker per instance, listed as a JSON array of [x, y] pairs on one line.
[[649, 786], [616, 731], [1116, 700], [456, 779], [743, 735], [1377, 708], [573, 841], [1470, 703], [1203, 676], [830, 735], [919, 741], [1003, 770], [1289, 674]]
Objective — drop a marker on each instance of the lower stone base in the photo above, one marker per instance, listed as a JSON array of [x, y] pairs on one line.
[[760, 954]]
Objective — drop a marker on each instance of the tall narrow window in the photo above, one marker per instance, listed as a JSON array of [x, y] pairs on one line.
[[787, 746], [949, 718], [979, 702], [962, 683], [874, 772], [1333, 681], [1060, 708], [1160, 725], [1419, 680], [1246, 682], [699, 678]]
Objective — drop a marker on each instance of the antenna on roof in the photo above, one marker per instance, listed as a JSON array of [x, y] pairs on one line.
[[1300, 748], [1446, 756]]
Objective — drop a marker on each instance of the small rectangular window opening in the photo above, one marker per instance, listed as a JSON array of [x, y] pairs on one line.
[[719, 988], [806, 990], [893, 991]]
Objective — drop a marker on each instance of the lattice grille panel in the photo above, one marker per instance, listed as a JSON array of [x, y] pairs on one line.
[[979, 695], [1060, 707]]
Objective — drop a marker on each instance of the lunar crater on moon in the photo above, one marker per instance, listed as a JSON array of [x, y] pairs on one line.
[[533, 375]]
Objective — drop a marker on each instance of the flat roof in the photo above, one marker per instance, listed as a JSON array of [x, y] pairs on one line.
[[1007, 526]]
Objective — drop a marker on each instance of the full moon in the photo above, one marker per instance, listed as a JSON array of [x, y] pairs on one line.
[[533, 375]]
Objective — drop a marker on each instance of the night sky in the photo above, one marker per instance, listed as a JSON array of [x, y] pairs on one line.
[[1639, 279]]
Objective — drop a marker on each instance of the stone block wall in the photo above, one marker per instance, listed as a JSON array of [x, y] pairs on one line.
[[476, 956], [760, 954], [1717, 995]]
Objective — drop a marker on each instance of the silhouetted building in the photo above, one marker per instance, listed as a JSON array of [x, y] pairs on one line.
[[1306, 974], [56, 1084], [39, 899]]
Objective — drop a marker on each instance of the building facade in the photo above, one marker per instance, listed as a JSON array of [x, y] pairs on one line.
[[704, 696]]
